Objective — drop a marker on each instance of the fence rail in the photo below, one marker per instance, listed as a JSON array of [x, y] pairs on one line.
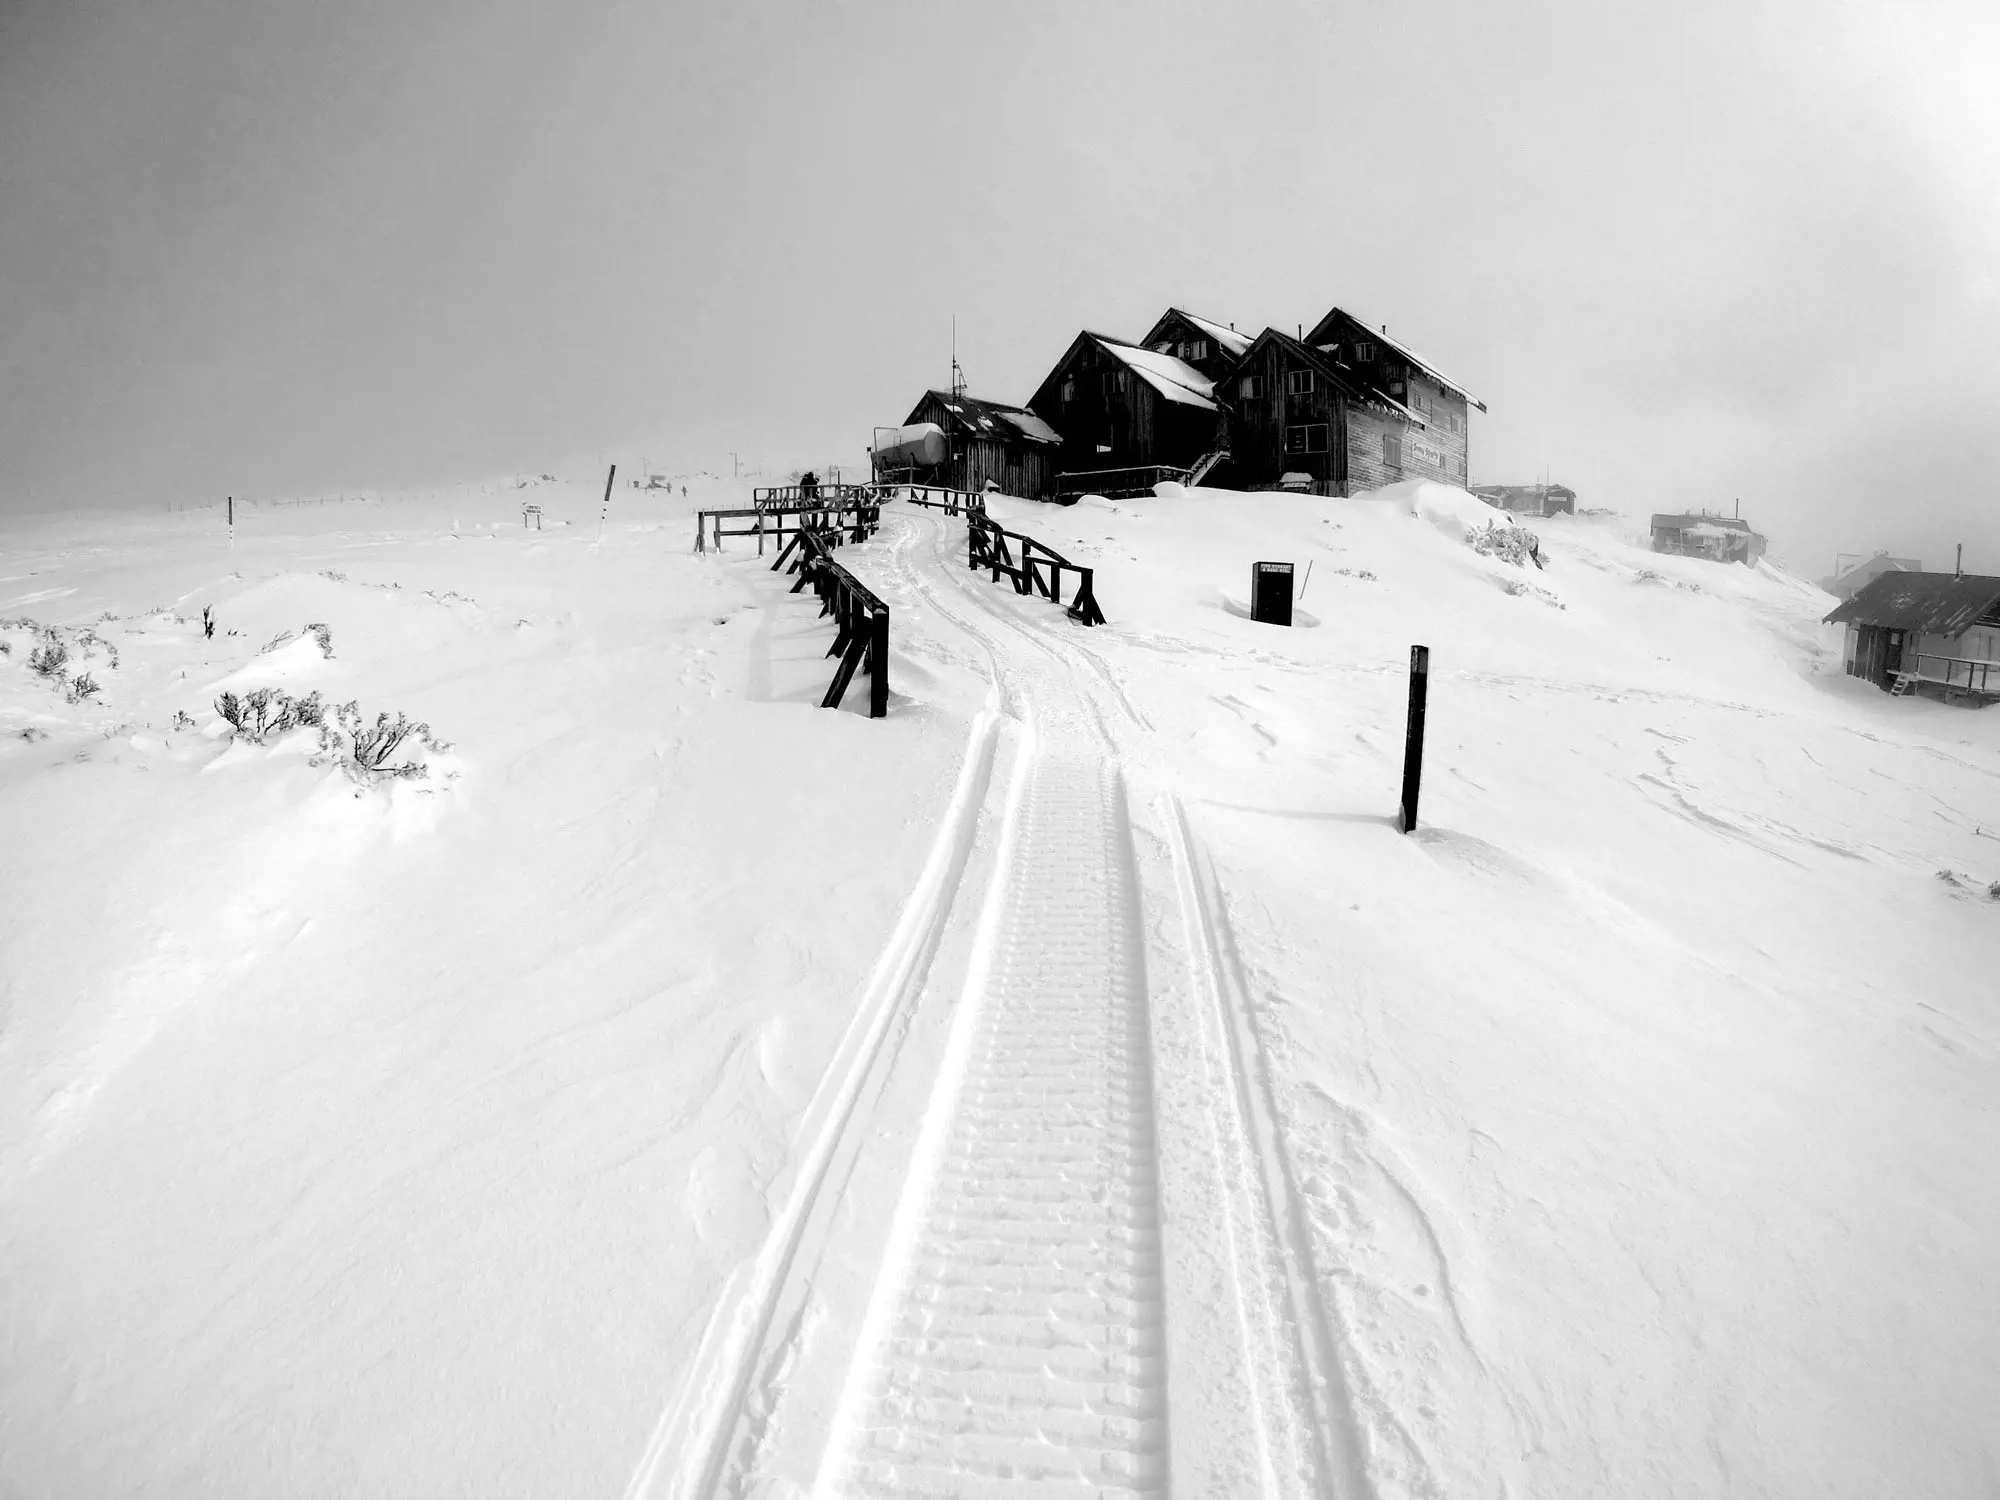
[[1116, 483], [859, 518], [951, 502], [1955, 674], [778, 496], [861, 621], [1039, 570]]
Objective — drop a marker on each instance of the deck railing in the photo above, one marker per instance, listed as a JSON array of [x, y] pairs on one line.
[[1955, 674], [859, 517], [1115, 483], [951, 502], [783, 496], [1039, 570], [861, 620]]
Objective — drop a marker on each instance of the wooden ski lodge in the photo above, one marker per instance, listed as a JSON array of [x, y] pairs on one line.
[[1343, 408]]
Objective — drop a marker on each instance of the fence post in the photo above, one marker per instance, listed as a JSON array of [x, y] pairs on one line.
[[1413, 739], [878, 659]]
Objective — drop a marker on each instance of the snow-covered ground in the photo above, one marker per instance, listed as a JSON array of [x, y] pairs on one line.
[[1072, 1080]]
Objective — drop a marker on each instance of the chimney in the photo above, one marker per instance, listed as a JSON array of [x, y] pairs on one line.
[[1958, 564]]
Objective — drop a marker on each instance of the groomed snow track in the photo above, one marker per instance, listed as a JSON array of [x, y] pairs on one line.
[[1016, 1339]]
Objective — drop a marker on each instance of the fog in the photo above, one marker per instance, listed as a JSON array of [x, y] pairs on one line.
[[1688, 256]]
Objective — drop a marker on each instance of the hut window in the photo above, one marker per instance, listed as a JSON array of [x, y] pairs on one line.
[[1392, 449], [1395, 387], [1364, 351], [1310, 438], [1197, 350], [1298, 382], [1250, 387], [1069, 390]]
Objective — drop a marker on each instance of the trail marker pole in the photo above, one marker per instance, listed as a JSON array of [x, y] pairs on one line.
[[1413, 740], [605, 509]]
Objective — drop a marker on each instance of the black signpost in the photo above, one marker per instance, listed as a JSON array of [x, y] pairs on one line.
[[1413, 741], [1271, 593]]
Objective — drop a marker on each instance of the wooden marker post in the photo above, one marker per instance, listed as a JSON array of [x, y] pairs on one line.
[[1413, 740], [605, 509]]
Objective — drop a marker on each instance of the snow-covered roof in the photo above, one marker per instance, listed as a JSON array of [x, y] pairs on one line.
[[976, 415], [1032, 426], [1175, 379], [1228, 337], [1407, 352]]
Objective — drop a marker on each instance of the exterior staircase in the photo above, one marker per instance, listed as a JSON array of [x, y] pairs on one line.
[[1208, 461]]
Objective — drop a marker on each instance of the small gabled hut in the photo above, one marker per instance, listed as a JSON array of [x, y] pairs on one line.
[[1852, 575], [1122, 408], [1530, 499], [1909, 630], [987, 441], [1716, 538]]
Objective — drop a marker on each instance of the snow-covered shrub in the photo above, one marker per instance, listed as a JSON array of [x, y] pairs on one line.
[[81, 687], [371, 745], [1507, 542], [50, 657], [265, 712], [183, 719]]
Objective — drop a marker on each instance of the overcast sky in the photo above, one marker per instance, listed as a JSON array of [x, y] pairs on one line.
[[1687, 253]]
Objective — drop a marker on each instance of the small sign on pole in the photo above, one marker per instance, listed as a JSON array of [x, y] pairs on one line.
[[1271, 593], [1413, 739]]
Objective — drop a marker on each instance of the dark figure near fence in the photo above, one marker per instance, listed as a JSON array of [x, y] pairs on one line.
[[809, 485]]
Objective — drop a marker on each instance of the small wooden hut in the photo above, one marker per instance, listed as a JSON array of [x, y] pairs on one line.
[[1925, 630]]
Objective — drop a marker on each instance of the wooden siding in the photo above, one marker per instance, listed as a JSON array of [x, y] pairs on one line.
[[1018, 465], [1112, 419], [1258, 424], [1441, 448]]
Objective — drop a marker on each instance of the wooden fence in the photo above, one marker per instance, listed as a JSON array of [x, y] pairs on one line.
[[860, 619], [1115, 483], [859, 518], [784, 496], [1039, 569], [951, 502]]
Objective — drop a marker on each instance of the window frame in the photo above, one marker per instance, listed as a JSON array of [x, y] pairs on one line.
[[1299, 382], [1392, 449], [1250, 388]]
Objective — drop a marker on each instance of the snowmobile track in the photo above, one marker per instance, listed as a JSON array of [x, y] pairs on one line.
[[1014, 1343]]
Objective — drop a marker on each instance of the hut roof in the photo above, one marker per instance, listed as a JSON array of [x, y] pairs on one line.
[[1176, 380], [977, 417], [1222, 333], [1692, 523], [1934, 603], [1371, 331]]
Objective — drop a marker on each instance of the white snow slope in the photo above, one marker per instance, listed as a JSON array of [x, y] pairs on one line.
[[1071, 1084]]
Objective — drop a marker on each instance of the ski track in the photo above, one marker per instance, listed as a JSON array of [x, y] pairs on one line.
[[1015, 1340]]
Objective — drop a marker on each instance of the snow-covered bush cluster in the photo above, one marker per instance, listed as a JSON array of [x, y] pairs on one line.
[[365, 751], [1507, 542], [319, 631], [61, 661], [264, 712]]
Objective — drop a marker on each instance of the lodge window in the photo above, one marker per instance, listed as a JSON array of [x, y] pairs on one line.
[[1069, 390], [1196, 350], [1311, 438], [1364, 352], [1395, 387], [1392, 449], [1250, 387], [1298, 382]]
